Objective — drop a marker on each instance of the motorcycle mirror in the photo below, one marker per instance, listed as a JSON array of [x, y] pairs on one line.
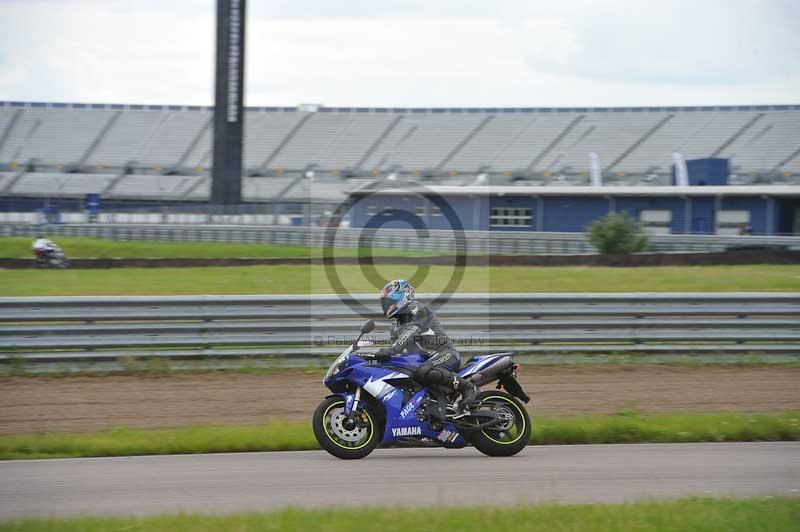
[[367, 326]]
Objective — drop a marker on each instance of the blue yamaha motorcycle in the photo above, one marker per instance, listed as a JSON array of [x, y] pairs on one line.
[[381, 404]]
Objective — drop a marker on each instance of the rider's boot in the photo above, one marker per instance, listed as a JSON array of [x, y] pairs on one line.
[[468, 392]]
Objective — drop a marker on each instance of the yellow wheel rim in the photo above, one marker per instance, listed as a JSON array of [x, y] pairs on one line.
[[326, 423], [521, 416]]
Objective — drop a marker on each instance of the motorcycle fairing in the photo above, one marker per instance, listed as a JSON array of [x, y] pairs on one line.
[[401, 419]]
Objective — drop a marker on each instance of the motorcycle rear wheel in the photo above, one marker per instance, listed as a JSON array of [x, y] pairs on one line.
[[338, 440], [508, 438]]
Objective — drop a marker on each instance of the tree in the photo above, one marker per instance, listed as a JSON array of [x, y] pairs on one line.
[[617, 233]]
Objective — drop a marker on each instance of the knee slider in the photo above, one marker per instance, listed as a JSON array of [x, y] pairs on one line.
[[436, 376]]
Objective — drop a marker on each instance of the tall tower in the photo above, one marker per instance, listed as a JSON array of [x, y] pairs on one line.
[[226, 172]]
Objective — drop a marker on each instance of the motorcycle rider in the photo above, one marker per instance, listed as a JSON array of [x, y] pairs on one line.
[[417, 330], [44, 245], [47, 250]]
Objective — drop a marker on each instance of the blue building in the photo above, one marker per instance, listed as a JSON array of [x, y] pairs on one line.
[[764, 210]]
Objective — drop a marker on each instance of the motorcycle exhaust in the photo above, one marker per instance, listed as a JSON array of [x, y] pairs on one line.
[[489, 373]]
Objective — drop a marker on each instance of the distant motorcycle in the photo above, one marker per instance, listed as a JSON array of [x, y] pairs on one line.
[[53, 257], [381, 404]]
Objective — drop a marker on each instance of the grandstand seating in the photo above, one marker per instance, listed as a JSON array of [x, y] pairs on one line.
[[200, 191], [169, 141], [53, 138], [607, 134], [265, 187], [165, 151], [59, 184], [5, 179], [510, 142], [694, 135], [149, 138], [265, 133], [148, 186], [766, 142], [420, 142]]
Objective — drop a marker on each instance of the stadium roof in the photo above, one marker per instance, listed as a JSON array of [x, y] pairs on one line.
[[323, 109]]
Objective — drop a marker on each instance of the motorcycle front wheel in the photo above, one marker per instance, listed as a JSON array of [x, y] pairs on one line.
[[508, 437], [348, 444]]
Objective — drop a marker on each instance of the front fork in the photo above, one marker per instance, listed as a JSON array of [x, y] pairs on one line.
[[351, 401]]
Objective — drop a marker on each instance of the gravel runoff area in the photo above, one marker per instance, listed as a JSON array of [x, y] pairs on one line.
[[91, 403]]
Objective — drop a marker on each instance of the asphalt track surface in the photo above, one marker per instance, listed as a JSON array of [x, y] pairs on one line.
[[225, 483]]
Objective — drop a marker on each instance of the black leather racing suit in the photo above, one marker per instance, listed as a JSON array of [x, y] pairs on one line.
[[417, 330]]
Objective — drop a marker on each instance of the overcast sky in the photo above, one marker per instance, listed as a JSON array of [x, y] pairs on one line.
[[409, 53]]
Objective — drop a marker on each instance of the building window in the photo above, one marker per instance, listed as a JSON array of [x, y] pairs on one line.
[[372, 210], [510, 217], [656, 221], [420, 211], [436, 211], [388, 211], [734, 222]]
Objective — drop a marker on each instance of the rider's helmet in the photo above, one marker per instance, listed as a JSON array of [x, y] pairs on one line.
[[396, 296]]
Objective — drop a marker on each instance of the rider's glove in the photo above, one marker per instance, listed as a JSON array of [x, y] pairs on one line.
[[384, 353]]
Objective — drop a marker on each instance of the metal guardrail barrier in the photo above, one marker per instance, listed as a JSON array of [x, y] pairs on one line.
[[58, 329], [495, 242]]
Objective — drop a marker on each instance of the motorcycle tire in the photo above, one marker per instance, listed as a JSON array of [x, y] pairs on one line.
[[509, 438], [339, 441]]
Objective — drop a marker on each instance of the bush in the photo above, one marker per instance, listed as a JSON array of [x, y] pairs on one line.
[[617, 233]]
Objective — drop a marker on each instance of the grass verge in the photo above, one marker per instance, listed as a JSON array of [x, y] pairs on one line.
[[625, 427], [98, 248], [311, 279], [774, 514]]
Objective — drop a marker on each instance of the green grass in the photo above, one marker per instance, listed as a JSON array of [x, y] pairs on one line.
[[98, 248], [305, 279], [93, 248], [626, 427], [630, 427], [773, 514], [272, 436]]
